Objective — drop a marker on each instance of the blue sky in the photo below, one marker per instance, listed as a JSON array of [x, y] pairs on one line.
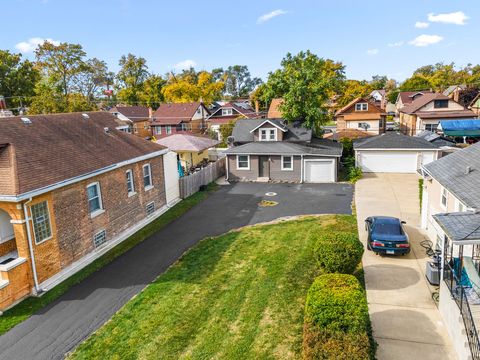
[[369, 37]]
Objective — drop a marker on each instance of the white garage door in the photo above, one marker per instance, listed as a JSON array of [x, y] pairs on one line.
[[317, 171], [388, 161]]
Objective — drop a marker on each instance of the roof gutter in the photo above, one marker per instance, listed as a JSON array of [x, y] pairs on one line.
[[43, 190], [281, 154]]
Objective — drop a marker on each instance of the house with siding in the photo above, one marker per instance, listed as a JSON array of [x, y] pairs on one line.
[[179, 118], [72, 186], [133, 119], [361, 114], [405, 98], [231, 112], [272, 150]]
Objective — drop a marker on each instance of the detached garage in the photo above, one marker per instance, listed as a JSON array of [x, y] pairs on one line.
[[393, 153]]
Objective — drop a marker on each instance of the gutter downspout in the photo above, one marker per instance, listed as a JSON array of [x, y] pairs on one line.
[[226, 165], [38, 290], [301, 169]]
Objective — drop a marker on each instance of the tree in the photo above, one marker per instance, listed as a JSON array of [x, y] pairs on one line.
[[131, 78], [306, 83], [17, 78], [416, 83], [354, 89], [238, 81], [378, 82], [93, 78], [152, 94]]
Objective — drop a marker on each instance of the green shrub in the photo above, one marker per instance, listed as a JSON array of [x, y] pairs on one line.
[[420, 192], [354, 174], [338, 252], [337, 325]]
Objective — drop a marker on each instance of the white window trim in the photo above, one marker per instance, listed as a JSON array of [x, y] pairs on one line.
[[290, 168], [158, 130], [458, 205], [168, 129], [148, 187], [267, 130], [247, 168], [101, 210], [49, 222], [133, 192], [361, 108], [442, 190], [227, 112]]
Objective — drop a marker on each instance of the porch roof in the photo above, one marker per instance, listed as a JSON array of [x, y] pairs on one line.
[[461, 227]]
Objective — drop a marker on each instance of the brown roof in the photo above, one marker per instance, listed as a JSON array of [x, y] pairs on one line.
[[353, 102], [55, 148], [407, 96], [134, 113], [241, 108], [274, 109], [348, 133], [175, 113], [455, 114], [423, 100]]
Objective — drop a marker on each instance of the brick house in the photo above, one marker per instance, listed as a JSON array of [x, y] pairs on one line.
[[362, 115], [71, 187], [133, 119], [181, 118]]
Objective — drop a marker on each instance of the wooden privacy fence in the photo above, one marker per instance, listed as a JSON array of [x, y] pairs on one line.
[[190, 184]]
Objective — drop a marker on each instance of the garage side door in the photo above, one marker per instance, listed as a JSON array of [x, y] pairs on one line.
[[317, 171], [388, 161]]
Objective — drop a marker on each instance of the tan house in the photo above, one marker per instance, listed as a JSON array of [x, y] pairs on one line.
[[72, 186], [426, 111], [405, 98], [133, 119], [361, 114]]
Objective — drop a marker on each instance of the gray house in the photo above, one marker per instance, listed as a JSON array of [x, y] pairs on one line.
[[271, 150]]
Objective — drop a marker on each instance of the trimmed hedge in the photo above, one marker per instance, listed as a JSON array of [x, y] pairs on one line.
[[338, 252], [337, 324]]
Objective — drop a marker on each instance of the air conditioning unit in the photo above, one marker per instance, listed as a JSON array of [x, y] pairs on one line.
[[433, 271]]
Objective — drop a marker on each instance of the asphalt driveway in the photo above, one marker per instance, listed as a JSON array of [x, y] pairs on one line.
[[405, 320], [62, 325]]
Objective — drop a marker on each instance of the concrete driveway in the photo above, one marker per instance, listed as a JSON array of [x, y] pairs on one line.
[[61, 326], [406, 322]]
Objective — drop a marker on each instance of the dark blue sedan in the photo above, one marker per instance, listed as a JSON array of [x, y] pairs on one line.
[[386, 235]]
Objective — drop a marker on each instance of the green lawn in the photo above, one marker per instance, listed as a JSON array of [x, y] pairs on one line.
[[237, 296], [26, 308]]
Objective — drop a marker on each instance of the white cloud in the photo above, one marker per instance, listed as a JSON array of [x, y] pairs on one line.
[[396, 44], [185, 64], [457, 18], [372, 51], [31, 44], [426, 40], [421, 25], [268, 16]]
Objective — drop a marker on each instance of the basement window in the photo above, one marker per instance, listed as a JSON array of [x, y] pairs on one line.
[[150, 208], [99, 238]]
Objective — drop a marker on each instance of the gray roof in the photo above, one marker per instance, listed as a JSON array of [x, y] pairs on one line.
[[241, 132], [393, 140], [322, 147], [451, 172], [460, 226], [435, 138]]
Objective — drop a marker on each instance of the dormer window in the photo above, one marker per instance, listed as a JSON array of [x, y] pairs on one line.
[[268, 134], [440, 104], [361, 107], [227, 112]]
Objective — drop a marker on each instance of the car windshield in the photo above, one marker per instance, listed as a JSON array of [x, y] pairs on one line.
[[389, 228]]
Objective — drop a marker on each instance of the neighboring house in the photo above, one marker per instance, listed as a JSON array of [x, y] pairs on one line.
[[133, 119], [453, 91], [379, 98], [405, 98], [393, 153], [191, 149], [177, 118], [231, 112], [72, 187], [437, 139], [274, 109], [361, 114], [271, 150], [425, 112], [451, 217]]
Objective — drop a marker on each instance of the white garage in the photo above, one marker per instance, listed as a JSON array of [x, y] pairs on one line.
[[393, 153], [319, 170]]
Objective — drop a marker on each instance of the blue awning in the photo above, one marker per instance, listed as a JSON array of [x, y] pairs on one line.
[[463, 127]]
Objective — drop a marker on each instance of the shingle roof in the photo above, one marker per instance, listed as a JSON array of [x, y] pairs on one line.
[[55, 148], [452, 114], [316, 147], [435, 138], [354, 101], [407, 96], [134, 113], [460, 226], [451, 172], [183, 142], [423, 100], [173, 114], [241, 108], [393, 140], [243, 127]]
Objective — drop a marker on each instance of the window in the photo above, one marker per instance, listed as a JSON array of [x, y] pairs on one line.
[[147, 177], [268, 134], [361, 107], [227, 112], [130, 183], [146, 126], [243, 162], [99, 238], [150, 208], [184, 127], [287, 163], [444, 198], [431, 127], [135, 130], [41, 222], [158, 130], [381, 124], [168, 129], [460, 207], [94, 198], [440, 104]]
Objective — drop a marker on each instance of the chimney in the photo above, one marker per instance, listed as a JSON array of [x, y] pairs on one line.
[[150, 113], [256, 106]]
